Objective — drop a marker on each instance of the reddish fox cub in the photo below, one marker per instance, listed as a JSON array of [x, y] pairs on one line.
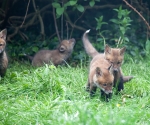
[[3, 56], [56, 57], [101, 76], [114, 56]]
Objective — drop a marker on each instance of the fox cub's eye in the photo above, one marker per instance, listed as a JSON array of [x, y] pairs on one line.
[[118, 62], [104, 85], [1, 44], [110, 84], [110, 61]]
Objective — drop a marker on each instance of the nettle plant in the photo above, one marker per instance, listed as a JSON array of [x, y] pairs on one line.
[[123, 23], [100, 33]]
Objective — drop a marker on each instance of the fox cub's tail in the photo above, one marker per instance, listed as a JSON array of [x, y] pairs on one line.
[[90, 50]]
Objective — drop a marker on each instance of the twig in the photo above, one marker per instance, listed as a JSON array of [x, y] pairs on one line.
[[138, 14], [56, 25], [75, 23], [72, 24], [40, 19], [62, 16], [67, 29], [25, 14]]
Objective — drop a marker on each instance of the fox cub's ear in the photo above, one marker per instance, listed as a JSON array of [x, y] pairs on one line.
[[72, 40], [62, 48], [98, 72], [122, 50], [107, 49], [3, 34]]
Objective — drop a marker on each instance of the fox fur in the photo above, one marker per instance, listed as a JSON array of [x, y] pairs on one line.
[[3, 56], [57, 56]]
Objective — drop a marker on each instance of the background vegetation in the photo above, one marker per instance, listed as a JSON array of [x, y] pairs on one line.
[[33, 25]]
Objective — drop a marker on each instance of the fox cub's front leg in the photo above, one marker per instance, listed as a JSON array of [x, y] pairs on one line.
[[92, 90]]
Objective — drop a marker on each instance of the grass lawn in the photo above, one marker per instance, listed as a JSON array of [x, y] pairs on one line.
[[57, 96]]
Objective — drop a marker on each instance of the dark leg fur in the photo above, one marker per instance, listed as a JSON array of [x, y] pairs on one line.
[[92, 90], [120, 84], [106, 96], [88, 86], [118, 81]]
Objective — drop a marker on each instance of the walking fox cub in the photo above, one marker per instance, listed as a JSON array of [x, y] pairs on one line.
[[101, 76], [56, 57], [3, 56], [113, 56]]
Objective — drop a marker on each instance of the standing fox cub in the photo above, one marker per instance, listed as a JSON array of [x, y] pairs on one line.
[[113, 56], [3, 56], [56, 57]]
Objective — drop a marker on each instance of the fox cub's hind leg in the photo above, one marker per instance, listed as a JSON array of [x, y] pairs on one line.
[[118, 81], [120, 84]]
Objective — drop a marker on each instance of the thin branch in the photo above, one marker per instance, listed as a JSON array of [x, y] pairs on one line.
[[25, 14], [40, 18], [62, 18], [56, 25], [67, 29], [73, 25], [138, 14]]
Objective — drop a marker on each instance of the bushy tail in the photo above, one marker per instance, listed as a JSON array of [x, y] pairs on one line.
[[127, 78], [30, 58], [90, 50]]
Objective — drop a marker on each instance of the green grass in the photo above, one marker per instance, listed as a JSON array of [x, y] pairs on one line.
[[57, 96]]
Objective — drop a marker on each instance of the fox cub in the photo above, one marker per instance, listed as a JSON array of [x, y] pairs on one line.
[[101, 76], [114, 57], [56, 57], [3, 56]]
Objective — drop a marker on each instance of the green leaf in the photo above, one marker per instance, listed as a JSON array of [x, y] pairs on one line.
[[124, 21], [72, 2], [92, 3], [122, 29], [56, 5], [96, 19], [60, 10], [80, 8], [147, 46], [35, 49], [99, 39], [116, 10], [126, 39], [114, 21], [101, 18]]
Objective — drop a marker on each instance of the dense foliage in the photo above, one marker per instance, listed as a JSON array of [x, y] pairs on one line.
[[33, 25]]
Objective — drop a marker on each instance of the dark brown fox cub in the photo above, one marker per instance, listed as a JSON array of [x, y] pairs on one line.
[[56, 57], [114, 57], [3, 56]]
